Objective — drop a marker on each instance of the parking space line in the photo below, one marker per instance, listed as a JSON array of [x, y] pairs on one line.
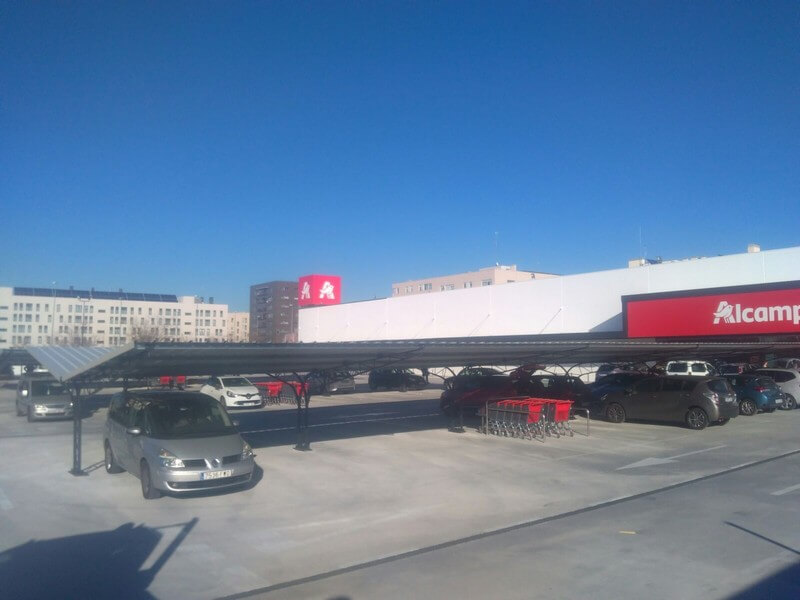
[[342, 423], [791, 488]]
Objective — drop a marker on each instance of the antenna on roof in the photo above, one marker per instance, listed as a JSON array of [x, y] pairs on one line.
[[496, 253]]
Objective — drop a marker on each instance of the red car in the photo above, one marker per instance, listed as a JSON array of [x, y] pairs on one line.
[[471, 393]]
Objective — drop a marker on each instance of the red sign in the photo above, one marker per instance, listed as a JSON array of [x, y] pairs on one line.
[[316, 290], [720, 313]]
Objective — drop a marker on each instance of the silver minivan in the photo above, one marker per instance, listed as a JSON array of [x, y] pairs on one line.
[[175, 442], [40, 396]]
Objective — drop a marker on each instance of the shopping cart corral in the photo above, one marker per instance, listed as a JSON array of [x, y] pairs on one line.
[[530, 418]]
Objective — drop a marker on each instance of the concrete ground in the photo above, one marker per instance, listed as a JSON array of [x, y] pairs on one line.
[[390, 504]]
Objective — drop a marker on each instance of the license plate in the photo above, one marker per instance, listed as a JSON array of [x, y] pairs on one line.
[[215, 474]]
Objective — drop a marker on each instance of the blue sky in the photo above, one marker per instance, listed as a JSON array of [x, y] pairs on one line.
[[202, 147]]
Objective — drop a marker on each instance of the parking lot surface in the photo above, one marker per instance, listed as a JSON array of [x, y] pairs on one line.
[[448, 514]]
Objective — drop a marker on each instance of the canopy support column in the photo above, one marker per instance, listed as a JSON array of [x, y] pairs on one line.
[[77, 416], [303, 397]]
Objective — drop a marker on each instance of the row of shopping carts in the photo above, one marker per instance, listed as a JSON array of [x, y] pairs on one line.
[[278, 392], [527, 418]]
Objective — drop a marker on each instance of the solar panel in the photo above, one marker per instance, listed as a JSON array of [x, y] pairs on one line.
[[133, 296]]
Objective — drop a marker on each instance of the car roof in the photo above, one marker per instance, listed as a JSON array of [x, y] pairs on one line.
[[782, 370], [166, 396]]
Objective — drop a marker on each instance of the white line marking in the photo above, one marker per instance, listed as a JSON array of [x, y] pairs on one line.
[[791, 488], [650, 462], [343, 423], [5, 503], [699, 451]]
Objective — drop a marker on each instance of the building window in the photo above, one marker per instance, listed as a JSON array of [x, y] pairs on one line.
[[467, 284], [486, 282], [427, 287]]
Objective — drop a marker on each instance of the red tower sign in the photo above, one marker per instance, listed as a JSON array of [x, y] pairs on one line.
[[317, 290]]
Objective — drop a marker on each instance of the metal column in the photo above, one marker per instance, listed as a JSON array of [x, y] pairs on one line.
[[77, 416]]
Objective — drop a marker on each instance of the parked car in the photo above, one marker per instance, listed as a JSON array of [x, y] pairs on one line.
[[395, 379], [175, 441], [473, 374], [471, 393], [756, 392], [610, 369], [557, 387], [733, 368], [696, 368], [41, 396], [789, 382], [783, 363], [614, 382], [233, 392], [695, 401], [339, 381]]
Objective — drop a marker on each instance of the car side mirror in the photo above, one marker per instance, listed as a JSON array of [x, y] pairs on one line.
[[133, 431], [24, 393]]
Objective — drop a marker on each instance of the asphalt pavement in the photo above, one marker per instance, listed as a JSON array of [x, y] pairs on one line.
[[389, 503]]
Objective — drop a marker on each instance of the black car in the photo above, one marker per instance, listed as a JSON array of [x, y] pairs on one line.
[[614, 382], [557, 387], [338, 381], [401, 379]]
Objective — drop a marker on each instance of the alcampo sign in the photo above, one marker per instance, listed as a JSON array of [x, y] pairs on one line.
[[729, 311]]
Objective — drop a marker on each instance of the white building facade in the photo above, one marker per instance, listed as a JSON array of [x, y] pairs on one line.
[[238, 327], [571, 304], [43, 316]]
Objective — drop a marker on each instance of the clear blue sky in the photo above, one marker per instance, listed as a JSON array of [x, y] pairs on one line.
[[201, 147]]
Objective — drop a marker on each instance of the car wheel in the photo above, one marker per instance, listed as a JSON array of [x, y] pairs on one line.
[[615, 413], [696, 418], [111, 462], [723, 421], [148, 490], [747, 408], [30, 414], [789, 403], [372, 386]]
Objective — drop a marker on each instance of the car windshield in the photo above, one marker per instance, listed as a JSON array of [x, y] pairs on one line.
[[47, 388], [235, 382], [181, 417]]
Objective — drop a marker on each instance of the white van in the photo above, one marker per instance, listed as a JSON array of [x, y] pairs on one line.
[[697, 368]]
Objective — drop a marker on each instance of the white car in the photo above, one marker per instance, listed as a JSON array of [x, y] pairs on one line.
[[789, 382], [697, 368], [783, 363], [233, 392]]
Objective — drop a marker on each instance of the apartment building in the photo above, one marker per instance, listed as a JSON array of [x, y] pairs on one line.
[[273, 312], [238, 327], [42, 316], [496, 275]]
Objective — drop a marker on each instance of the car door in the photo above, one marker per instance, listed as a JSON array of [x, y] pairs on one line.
[[122, 449], [135, 442], [667, 405], [639, 399]]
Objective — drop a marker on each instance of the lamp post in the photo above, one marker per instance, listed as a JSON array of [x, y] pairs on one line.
[[53, 313]]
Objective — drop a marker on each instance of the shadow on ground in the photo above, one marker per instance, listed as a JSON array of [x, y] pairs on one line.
[[106, 564], [278, 427]]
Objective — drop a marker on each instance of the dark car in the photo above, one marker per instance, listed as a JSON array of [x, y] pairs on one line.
[[756, 392], [338, 381], [471, 393], [695, 401], [614, 382], [474, 374], [395, 379], [557, 387]]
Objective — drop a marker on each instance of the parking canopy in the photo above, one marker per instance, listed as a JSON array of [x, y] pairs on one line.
[[155, 359]]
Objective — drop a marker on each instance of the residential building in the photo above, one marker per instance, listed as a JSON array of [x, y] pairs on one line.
[[273, 312], [496, 275], [238, 327], [43, 316]]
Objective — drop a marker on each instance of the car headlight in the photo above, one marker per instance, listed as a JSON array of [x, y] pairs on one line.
[[247, 451], [169, 460], [230, 394]]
